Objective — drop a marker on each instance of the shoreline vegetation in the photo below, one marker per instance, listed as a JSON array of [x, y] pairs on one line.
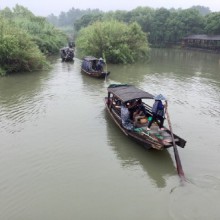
[[116, 41], [119, 36], [26, 40]]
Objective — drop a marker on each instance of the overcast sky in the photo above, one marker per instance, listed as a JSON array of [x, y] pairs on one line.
[[46, 7]]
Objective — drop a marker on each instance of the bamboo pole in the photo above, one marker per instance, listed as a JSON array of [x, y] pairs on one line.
[[177, 158]]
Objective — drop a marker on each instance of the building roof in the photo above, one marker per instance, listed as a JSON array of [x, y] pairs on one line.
[[202, 37]]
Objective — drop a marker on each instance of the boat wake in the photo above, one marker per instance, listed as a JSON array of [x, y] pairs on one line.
[[190, 199]]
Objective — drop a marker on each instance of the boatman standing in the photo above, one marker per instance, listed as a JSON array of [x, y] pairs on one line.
[[100, 64], [158, 111]]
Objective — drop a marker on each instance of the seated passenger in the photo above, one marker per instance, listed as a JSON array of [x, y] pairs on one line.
[[125, 117], [116, 103], [94, 66], [138, 111], [131, 105]]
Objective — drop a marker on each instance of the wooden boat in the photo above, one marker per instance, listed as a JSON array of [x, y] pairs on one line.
[[118, 95], [67, 54], [90, 67]]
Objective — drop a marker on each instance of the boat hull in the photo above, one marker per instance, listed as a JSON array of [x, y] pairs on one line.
[[95, 74], [144, 138]]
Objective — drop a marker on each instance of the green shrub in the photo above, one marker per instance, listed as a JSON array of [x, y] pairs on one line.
[[117, 41], [17, 50]]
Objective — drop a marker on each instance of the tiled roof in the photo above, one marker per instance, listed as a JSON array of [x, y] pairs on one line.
[[202, 37]]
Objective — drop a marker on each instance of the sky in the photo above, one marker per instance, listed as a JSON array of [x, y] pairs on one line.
[[46, 7]]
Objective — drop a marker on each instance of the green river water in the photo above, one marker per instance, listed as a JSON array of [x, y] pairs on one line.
[[61, 156]]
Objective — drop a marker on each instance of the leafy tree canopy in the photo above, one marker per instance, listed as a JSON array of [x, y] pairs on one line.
[[202, 10], [116, 41], [17, 50], [25, 39], [213, 23], [163, 26]]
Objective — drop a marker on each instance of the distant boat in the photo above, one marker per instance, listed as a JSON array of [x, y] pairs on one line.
[[91, 67], [67, 54], [120, 94]]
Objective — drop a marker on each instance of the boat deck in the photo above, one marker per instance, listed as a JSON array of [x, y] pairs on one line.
[[154, 131]]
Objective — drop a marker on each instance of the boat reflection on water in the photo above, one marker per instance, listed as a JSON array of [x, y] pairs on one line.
[[157, 164], [93, 87]]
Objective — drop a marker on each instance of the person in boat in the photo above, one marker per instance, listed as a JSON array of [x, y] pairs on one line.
[[136, 108], [139, 111], [100, 64], [158, 111], [87, 66], [139, 108], [63, 52], [116, 102], [131, 105], [94, 65], [125, 116]]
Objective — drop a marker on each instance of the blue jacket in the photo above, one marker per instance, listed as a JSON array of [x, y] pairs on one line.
[[158, 108]]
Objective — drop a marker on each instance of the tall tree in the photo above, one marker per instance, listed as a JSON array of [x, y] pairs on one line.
[[212, 25], [202, 9], [119, 42], [184, 22], [158, 33]]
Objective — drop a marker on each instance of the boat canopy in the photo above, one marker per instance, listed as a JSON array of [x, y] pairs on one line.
[[90, 58], [128, 92]]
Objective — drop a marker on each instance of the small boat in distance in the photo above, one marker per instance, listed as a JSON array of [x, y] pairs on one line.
[[67, 54], [118, 96], [94, 67]]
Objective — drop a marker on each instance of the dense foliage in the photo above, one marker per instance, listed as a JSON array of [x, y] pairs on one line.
[[213, 23], [116, 41], [69, 18], [25, 40], [163, 26]]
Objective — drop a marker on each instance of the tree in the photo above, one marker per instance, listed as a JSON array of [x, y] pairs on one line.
[[21, 11], [212, 25], [158, 33], [53, 19], [62, 19], [202, 10], [25, 39], [144, 17], [87, 19], [117, 41], [17, 50], [184, 22], [7, 13]]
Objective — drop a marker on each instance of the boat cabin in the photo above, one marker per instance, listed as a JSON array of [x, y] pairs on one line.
[[91, 63], [120, 103], [94, 67], [131, 97]]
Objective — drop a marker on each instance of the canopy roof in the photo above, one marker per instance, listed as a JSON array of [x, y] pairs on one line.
[[128, 92], [203, 37], [90, 58]]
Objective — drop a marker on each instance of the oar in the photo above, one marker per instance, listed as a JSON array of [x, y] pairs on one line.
[[177, 158]]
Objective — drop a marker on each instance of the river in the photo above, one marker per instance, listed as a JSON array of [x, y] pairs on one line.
[[61, 156]]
